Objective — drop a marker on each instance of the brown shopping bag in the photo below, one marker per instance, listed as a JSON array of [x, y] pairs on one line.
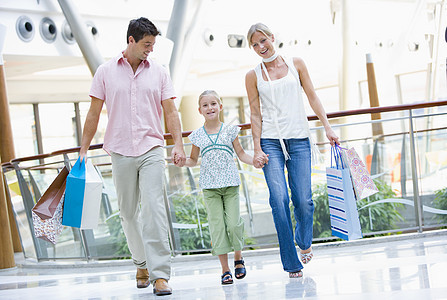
[[47, 204], [47, 213], [362, 182], [49, 229]]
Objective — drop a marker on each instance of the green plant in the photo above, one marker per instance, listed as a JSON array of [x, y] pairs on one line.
[[322, 221], [440, 202], [186, 209], [189, 209], [248, 241], [117, 237], [381, 216]]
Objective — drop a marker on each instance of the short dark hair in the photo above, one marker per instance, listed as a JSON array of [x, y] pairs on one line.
[[138, 28]]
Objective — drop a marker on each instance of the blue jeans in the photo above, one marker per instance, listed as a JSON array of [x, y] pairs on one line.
[[299, 181]]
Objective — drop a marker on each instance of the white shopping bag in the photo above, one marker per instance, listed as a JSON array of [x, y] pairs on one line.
[[83, 194], [345, 221]]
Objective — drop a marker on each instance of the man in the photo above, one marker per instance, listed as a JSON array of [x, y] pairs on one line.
[[136, 90]]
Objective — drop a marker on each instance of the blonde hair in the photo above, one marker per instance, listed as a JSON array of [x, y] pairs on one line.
[[210, 93], [260, 27]]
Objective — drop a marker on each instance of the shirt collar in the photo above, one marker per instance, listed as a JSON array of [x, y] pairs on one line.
[[121, 58]]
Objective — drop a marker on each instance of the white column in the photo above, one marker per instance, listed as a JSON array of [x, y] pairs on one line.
[[347, 80]]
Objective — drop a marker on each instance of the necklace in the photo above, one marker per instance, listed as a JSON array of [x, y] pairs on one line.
[[271, 58]]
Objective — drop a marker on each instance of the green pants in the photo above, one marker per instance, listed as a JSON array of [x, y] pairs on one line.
[[224, 219]]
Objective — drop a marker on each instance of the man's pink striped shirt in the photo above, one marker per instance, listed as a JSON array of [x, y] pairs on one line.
[[133, 102]]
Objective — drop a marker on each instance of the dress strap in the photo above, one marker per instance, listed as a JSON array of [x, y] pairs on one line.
[[214, 144], [275, 113], [217, 137]]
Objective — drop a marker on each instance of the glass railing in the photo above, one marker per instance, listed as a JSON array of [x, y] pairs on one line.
[[405, 151]]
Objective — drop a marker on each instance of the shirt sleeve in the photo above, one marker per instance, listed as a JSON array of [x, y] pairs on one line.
[[233, 131], [97, 88], [194, 138], [167, 89]]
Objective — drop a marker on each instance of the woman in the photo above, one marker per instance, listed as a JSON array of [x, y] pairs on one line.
[[281, 138]]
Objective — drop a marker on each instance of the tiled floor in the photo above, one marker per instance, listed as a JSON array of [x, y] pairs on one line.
[[411, 266]]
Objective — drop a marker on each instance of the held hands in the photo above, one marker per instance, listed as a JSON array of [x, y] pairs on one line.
[[260, 159], [178, 156]]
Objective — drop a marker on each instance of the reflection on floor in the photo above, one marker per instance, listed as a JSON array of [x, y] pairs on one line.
[[410, 266]]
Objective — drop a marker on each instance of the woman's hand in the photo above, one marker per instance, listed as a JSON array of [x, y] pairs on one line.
[[332, 137], [260, 159]]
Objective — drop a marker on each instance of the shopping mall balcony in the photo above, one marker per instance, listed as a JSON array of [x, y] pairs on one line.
[[402, 255]]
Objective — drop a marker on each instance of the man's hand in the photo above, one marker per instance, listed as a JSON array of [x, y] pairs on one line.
[[178, 156], [82, 155]]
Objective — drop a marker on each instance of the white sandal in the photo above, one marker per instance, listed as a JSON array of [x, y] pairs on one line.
[[306, 257], [298, 274]]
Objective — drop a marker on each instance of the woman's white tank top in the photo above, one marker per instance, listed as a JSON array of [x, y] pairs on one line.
[[289, 106]]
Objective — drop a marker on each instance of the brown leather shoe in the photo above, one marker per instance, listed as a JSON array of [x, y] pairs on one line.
[[161, 287], [142, 278]]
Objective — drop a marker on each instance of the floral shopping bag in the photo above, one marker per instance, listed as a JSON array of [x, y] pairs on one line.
[[361, 180]]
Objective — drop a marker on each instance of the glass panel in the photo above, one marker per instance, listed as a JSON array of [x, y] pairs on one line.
[[388, 165], [432, 166], [23, 128], [69, 244], [23, 225], [108, 240], [254, 197], [58, 126], [188, 212]]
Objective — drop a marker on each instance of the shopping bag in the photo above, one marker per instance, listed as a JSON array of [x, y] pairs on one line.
[[49, 229], [343, 211], [83, 193], [361, 180], [48, 203]]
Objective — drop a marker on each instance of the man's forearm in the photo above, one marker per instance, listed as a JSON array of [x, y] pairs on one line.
[[174, 127], [90, 125]]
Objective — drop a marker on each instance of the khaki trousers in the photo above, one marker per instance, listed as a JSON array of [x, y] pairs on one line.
[[139, 183]]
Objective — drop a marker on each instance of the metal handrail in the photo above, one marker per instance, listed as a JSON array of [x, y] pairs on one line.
[[246, 126]]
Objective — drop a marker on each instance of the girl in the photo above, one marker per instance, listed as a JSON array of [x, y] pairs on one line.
[[219, 180], [281, 139]]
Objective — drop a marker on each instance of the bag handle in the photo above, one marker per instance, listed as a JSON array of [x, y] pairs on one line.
[[78, 169], [336, 154]]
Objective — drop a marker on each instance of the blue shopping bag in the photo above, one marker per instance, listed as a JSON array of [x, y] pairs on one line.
[[83, 193], [344, 215]]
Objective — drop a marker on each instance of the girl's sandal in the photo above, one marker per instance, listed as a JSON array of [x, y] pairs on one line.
[[298, 274], [239, 273], [227, 278], [306, 257]]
